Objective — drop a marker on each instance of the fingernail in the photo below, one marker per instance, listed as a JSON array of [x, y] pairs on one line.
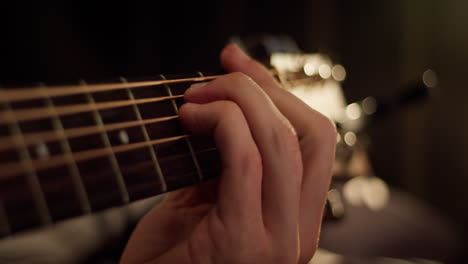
[[194, 87], [241, 54], [198, 85], [189, 105]]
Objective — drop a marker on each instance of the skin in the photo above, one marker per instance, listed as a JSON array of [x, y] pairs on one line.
[[267, 206]]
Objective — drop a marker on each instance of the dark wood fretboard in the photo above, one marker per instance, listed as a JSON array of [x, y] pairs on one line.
[[66, 153]]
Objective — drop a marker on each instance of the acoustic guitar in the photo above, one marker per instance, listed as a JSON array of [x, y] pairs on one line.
[[73, 150]]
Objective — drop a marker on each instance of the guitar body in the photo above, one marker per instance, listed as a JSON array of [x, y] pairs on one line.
[[72, 151]]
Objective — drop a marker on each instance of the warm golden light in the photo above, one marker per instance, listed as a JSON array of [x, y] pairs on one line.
[[375, 194], [430, 78], [371, 192], [338, 73], [324, 71], [309, 69], [369, 105], [334, 197], [350, 138], [353, 111]]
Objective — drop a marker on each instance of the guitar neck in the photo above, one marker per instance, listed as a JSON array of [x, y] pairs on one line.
[[69, 151]]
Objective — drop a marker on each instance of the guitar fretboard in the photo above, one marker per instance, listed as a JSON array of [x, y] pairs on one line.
[[69, 151]]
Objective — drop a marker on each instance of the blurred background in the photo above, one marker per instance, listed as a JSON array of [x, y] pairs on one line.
[[384, 45]]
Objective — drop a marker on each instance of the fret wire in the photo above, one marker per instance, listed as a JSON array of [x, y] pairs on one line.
[[104, 195], [35, 93], [14, 168], [38, 137], [72, 166], [28, 168], [112, 158], [189, 143], [153, 155], [38, 113], [189, 153], [5, 228]]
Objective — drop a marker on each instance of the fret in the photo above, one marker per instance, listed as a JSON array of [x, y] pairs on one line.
[[208, 158], [189, 143], [112, 158], [180, 172], [154, 157], [56, 184], [32, 180], [76, 162], [5, 228], [96, 172], [130, 145], [72, 167]]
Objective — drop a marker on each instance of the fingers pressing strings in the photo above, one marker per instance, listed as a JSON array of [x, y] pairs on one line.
[[276, 141], [242, 173]]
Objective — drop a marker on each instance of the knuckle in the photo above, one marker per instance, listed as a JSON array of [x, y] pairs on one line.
[[328, 130], [242, 79], [230, 109], [239, 76], [252, 161], [287, 142], [325, 129]]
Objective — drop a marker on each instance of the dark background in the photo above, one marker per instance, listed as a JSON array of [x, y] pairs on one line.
[[384, 45]]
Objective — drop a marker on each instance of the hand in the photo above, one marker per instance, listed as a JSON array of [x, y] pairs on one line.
[[277, 156]]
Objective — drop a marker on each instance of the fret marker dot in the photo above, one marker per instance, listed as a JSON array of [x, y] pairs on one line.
[[42, 151], [123, 136]]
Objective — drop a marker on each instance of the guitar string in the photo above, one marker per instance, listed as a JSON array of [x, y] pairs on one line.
[[105, 140], [143, 187], [30, 94], [10, 169], [32, 138], [144, 131], [30, 174], [137, 189], [187, 140], [80, 189], [23, 115], [14, 168], [23, 94], [33, 93]]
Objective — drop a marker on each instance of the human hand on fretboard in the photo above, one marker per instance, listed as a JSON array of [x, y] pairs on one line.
[[266, 207]]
